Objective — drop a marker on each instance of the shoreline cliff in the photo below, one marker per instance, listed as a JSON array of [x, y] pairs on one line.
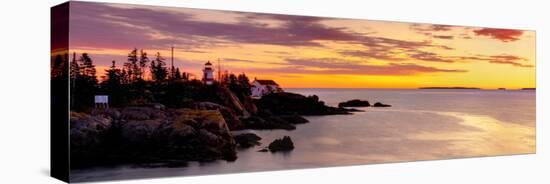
[[187, 129]]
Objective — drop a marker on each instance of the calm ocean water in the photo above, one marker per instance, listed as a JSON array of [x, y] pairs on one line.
[[421, 125]]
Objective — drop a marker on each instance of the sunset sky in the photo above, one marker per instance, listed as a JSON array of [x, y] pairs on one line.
[[300, 51]]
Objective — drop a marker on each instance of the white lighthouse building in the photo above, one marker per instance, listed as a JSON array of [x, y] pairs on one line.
[[208, 74]]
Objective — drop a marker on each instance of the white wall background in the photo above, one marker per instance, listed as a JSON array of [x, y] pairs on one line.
[[24, 98]]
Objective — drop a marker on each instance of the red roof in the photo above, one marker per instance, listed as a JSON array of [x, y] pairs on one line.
[[208, 63], [267, 82]]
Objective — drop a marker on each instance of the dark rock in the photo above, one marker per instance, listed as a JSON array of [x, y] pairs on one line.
[[88, 135], [268, 123], [283, 144], [173, 135], [247, 140], [139, 131], [231, 100], [294, 119], [214, 137], [378, 104], [113, 113], [249, 105], [285, 103], [353, 110], [354, 103], [158, 106], [178, 128], [228, 114], [86, 130], [141, 113]]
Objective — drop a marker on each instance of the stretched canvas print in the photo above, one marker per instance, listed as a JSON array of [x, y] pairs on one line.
[[148, 91]]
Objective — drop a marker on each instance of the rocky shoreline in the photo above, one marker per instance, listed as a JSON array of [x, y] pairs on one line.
[[199, 131]]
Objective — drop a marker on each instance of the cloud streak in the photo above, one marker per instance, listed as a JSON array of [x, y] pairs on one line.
[[285, 45], [504, 35], [344, 67], [500, 59]]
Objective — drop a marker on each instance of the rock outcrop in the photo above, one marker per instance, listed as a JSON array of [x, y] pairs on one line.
[[232, 101], [249, 105], [283, 144], [87, 130], [268, 123], [354, 103], [290, 103], [247, 140], [229, 114], [378, 104], [147, 134]]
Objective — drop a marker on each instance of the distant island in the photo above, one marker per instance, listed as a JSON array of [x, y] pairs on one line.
[[472, 88], [448, 88]]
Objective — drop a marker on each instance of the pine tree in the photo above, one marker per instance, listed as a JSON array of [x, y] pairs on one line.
[[158, 68], [113, 75], [243, 80], [177, 75], [88, 67], [113, 85], [143, 60], [83, 82], [124, 77], [132, 66], [75, 68], [185, 76]]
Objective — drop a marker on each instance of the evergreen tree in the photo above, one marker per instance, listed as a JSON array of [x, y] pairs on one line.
[[59, 66], [88, 68], [158, 68], [143, 60], [185, 76], [177, 75], [83, 82], [112, 85], [132, 66], [113, 75], [124, 77], [243, 80], [75, 68]]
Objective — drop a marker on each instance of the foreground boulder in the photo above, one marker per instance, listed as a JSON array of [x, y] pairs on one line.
[[247, 140], [212, 134], [354, 103], [378, 104], [283, 144]]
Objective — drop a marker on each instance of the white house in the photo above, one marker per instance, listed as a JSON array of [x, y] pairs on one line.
[[260, 88]]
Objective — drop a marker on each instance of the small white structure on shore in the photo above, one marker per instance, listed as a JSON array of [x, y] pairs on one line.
[[101, 101], [260, 88], [208, 74]]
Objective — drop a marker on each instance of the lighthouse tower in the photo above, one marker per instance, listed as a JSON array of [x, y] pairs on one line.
[[208, 74]]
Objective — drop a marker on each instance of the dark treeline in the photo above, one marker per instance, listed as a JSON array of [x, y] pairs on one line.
[[139, 81]]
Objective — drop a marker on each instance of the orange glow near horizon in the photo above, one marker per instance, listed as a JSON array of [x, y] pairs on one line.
[[309, 52]]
